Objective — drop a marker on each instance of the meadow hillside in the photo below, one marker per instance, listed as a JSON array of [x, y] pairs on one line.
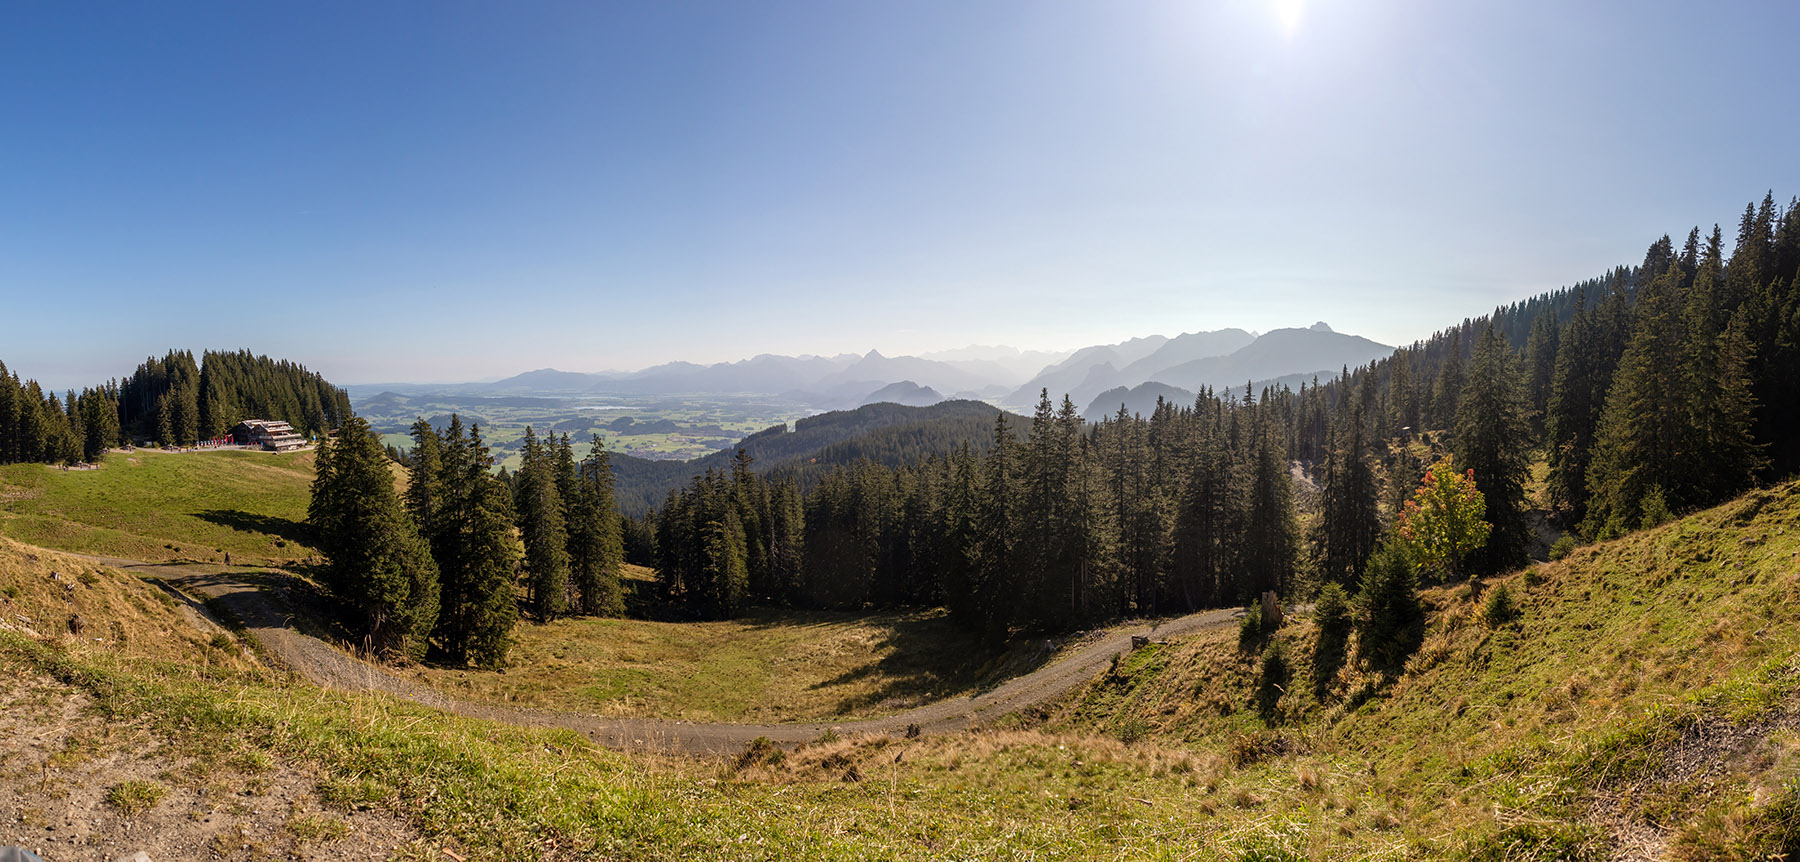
[[1638, 700], [161, 506]]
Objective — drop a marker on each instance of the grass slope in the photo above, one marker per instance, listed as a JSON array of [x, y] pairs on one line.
[[1645, 699], [769, 666], [159, 506]]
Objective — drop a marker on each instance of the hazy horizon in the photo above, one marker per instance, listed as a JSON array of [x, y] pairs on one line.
[[451, 192]]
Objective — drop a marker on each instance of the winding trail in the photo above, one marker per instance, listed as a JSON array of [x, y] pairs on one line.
[[272, 626]]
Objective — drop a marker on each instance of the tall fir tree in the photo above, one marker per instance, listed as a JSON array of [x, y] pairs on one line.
[[378, 566], [1492, 433], [539, 508]]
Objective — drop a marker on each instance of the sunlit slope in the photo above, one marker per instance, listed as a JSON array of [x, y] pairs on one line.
[[98, 613], [165, 506], [1644, 691]]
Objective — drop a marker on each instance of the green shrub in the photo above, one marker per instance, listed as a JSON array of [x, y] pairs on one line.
[[1653, 509], [1501, 608], [1392, 623], [1332, 614], [1274, 678], [1131, 729], [1563, 547], [1250, 627]]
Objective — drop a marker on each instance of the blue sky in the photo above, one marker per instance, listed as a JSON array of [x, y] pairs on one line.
[[443, 191]]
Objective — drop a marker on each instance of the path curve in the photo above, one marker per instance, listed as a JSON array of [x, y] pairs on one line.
[[325, 665]]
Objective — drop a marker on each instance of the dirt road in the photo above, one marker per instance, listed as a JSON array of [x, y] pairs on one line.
[[266, 620]]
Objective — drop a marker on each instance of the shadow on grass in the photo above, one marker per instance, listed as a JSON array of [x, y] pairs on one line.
[[249, 522], [929, 660]]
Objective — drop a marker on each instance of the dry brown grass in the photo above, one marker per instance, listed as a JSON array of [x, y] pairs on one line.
[[121, 616]]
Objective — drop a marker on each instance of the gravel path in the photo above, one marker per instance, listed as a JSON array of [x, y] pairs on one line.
[[271, 625]]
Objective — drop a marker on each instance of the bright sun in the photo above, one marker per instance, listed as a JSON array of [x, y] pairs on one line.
[[1289, 12]]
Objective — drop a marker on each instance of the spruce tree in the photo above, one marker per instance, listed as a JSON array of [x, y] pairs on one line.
[[1447, 389], [1390, 620], [596, 551], [378, 566], [1271, 538], [1646, 439], [540, 512], [1349, 525], [1492, 432]]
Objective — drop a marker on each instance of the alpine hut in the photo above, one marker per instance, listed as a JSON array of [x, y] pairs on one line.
[[271, 434]]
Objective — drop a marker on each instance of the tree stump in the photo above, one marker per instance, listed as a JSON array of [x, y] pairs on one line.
[[1271, 611]]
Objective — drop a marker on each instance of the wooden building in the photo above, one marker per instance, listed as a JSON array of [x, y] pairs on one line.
[[271, 434]]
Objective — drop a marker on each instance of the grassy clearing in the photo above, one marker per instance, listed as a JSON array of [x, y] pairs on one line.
[[770, 666], [158, 506]]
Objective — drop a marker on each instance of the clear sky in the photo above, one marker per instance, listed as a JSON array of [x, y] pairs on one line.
[[417, 191]]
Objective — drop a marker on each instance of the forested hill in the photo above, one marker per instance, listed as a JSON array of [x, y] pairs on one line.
[[173, 400], [883, 433]]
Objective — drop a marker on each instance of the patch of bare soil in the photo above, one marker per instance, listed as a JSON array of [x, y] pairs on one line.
[[76, 786], [1700, 762]]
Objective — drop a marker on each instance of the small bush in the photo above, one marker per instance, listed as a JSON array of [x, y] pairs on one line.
[[1250, 627], [1501, 608], [1333, 616], [1274, 678], [1653, 509], [1132, 729], [760, 750], [1392, 622], [1563, 547]]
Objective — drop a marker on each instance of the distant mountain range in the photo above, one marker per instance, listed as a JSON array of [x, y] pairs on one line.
[[1099, 376]]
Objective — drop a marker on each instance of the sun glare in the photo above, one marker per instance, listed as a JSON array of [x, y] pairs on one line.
[[1288, 13]]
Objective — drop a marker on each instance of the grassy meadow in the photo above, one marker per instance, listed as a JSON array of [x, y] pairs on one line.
[[1641, 693], [163, 506], [768, 666], [1646, 686]]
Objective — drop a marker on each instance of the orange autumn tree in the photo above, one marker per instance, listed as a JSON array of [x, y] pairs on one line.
[[1444, 520]]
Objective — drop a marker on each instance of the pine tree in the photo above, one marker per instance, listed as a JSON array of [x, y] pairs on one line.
[[1349, 525], [1540, 369], [477, 554], [995, 577], [1447, 390], [540, 512], [1646, 440], [727, 574], [378, 565], [425, 481], [1271, 539], [1492, 432], [1390, 620], [596, 551], [786, 546]]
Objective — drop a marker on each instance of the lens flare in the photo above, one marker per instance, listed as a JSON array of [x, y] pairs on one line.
[[1288, 13]]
